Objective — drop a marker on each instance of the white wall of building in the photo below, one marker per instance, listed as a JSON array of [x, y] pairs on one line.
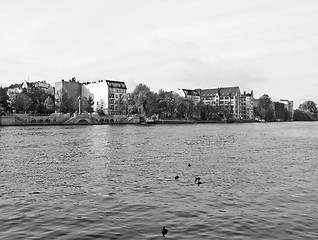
[[98, 91]]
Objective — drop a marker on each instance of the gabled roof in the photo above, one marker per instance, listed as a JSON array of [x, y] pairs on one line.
[[189, 92], [223, 91], [116, 84], [209, 92]]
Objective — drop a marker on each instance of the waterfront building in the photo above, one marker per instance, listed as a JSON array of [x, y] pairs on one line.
[[72, 89], [289, 106], [224, 98], [279, 110], [247, 106], [109, 96], [15, 89], [189, 94]]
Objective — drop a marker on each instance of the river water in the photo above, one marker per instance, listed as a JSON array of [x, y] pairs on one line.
[[259, 181]]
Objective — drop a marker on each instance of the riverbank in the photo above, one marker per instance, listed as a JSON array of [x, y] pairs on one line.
[[92, 119]]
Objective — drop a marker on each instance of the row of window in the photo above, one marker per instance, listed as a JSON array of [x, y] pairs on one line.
[[112, 95], [117, 90]]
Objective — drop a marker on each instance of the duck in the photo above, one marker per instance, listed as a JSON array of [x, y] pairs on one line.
[[164, 231], [199, 183], [176, 177]]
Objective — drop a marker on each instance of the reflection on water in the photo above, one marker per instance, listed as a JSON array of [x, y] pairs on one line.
[[117, 182]]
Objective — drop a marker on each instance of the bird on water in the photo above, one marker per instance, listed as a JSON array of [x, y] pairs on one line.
[[176, 177], [189, 165], [164, 231], [199, 183], [197, 178]]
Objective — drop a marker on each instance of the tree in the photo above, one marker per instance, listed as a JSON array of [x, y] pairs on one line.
[[309, 106], [101, 108], [140, 98], [90, 107], [303, 115], [87, 104], [38, 97], [167, 103], [23, 102], [265, 108], [64, 103], [49, 105], [4, 99]]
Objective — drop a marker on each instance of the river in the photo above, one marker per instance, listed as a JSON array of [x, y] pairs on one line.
[[259, 181]]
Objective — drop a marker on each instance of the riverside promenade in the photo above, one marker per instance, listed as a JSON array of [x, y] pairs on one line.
[[95, 119], [63, 119]]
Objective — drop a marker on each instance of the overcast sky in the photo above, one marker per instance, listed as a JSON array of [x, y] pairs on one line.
[[269, 46]]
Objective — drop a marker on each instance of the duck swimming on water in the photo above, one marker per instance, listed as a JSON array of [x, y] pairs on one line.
[[164, 231]]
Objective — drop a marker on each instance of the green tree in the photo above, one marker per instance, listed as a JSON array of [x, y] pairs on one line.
[[208, 112], [90, 107], [101, 108], [265, 108], [310, 106], [87, 104], [4, 100], [49, 105], [303, 115], [38, 97], [64, 103], [23, 103], [167, 104], [140, 98]]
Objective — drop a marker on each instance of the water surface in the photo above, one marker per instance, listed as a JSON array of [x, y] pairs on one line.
[[117, 182]]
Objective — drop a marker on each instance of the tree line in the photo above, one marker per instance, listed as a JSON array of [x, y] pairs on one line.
[[33, 99], [169, 105], [66, 104], [164, 104], [37, 101]]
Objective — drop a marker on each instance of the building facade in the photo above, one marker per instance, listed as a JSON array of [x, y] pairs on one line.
[[189, 94], [72, 89], [227, 99], [108, 95], [247, 106], [289, 106]]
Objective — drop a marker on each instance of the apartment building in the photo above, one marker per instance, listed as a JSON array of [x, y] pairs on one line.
[[226, 98], [247, 106], [189, 94], [108, 95], [71, 88]]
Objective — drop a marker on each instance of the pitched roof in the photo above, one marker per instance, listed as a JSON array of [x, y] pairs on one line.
[[224, 91], [190, 92], [116, 84]]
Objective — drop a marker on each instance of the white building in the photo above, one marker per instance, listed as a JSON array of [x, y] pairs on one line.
[[189, 94], [108, 95]]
